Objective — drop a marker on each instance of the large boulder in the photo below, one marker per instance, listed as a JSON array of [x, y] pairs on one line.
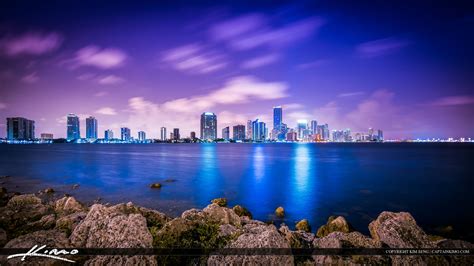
[[297, 239], [220, 201], [221, 215], [399, 230], [334, 224], [255, 236], [69, 222], [153, 218], [107, 227], [68, 205], [242, 211], [18, 217], [303, 225], [337, 240]]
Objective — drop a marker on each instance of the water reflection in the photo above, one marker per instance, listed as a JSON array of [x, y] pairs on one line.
[[302, 181], [208, 178], [258, 163]]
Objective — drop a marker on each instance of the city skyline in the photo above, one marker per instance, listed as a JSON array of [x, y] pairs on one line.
[[149, 65]]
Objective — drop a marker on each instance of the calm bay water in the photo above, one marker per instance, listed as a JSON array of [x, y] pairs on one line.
[[434, 182]]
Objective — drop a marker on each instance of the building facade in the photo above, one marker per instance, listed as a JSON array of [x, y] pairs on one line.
[[176, 135], [239, 132], [226, 133], [163, 133], [91, 127], [208, 126], [125, 134], [141, 135], [73, 127], [20, 128], [47, 136], [108, 134], [259, 130]]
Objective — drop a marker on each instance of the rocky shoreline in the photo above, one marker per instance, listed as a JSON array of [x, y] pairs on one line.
[[26, 220]]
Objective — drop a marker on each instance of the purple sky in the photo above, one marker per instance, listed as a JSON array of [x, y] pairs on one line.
[[406, 70]]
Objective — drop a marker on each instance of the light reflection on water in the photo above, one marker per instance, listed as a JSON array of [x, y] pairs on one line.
[[309, 180]]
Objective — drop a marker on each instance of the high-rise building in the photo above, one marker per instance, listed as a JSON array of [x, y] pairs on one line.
[[277, 117], [73, 127], [141, 136], [301, 127], [47, 136], [379, 135], [163, 133], [91, 128], [238, 132], [325, 132], [208, 126], [176, 135], [249, 134], [19, 128], [347, 135], [193, 135], [314, 127], [337, 135], [108, 134], [259, 131], [226, 133], [125, 134], [291, 135], [371, 134]]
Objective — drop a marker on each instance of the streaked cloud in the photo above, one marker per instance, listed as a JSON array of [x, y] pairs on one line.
[[235, 27], [453, 100], [110, 80], [103, 58], [30, 78], [380, 47], [3, 105], [101, 94], [278, 37], [194, 59], [351, 94], [106, 111], [260, 61], [315, 63], [31, 43]]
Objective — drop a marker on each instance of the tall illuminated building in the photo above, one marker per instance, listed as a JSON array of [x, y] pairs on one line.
[[314, 127], [125, 134], [208, 126], [163, 133], [301, 128], [73, 127], [379, 135], [19, 128], [141, 135], [226, 133], [277, 117], [108, 134], [249, 134], [91, 127], [259, 130], [176, 135], [238, 132]]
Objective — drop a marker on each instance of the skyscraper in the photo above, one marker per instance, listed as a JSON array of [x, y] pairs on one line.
[[108, 134], [226, 133], [73, 127], [379, 135], [163, 133], [259, 131], [314, 127], [141, 136], [176, 135], [325, 132], [91, 128], [301, 127], [208, 126], [125, 134], [19, 128], [239, 132], [249, 134], [277, 117]]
